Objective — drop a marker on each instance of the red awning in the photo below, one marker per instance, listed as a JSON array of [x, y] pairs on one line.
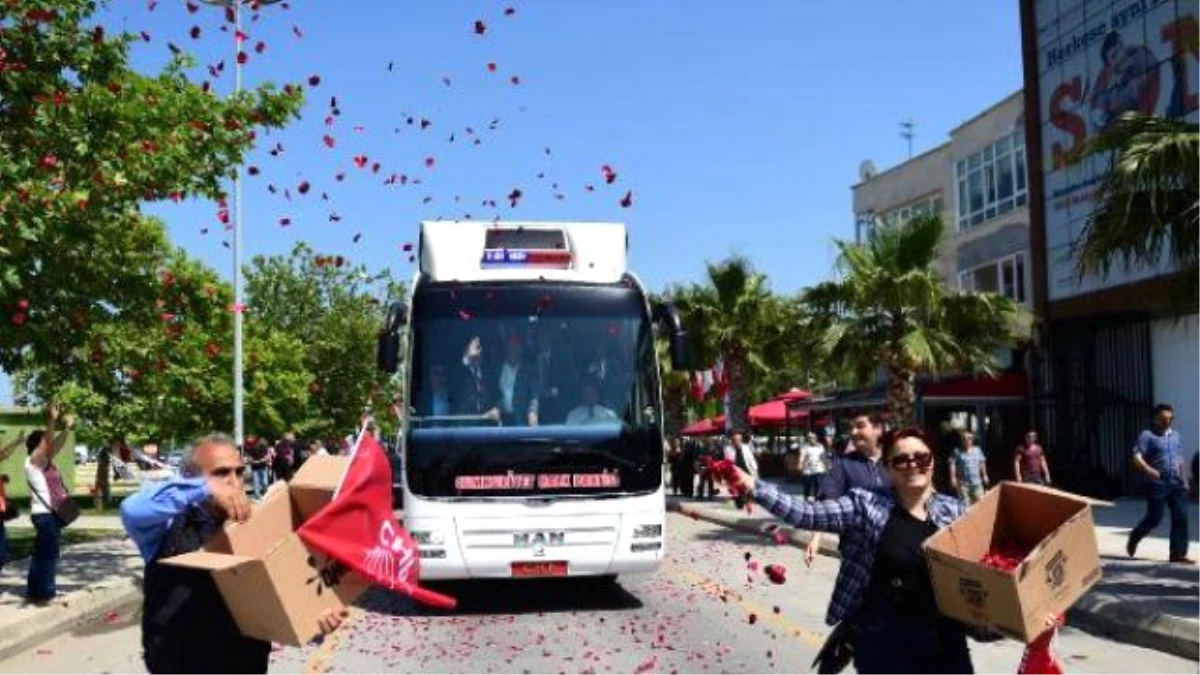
[[709, 427], [1006, 385], [774, 413]]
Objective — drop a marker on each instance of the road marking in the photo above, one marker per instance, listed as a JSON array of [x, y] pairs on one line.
[[793, 628], [317, 662]]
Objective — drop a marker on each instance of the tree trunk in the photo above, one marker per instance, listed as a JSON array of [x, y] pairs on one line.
[[738, 397], [675, 393], [902, 397]]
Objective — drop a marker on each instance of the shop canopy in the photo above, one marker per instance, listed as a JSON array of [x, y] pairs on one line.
[[709, 427], [1005, 386], [774, 413]]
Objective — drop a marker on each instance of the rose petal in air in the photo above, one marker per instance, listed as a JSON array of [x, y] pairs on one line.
[[626, 202], [480, 27]]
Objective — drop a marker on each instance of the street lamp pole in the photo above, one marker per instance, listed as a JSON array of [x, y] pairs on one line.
[[239, 430]]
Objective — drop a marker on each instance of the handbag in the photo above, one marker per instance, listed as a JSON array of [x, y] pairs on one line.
[[60, 504]]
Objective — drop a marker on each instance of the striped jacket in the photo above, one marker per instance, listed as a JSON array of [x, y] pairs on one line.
[[859, 519]]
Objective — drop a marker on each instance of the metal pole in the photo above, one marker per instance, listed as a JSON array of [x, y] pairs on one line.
[[238, 385]]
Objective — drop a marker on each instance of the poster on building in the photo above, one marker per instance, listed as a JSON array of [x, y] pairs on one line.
[[1098, 59]]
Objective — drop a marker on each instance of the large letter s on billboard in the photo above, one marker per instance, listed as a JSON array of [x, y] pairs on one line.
[[1070, 122]]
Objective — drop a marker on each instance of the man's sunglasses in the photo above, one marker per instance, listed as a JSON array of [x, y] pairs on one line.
[[920, 460]]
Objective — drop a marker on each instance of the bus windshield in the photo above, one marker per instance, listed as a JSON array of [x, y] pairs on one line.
[[555, 384]]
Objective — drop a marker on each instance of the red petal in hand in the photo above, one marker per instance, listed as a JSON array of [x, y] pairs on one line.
[[627, 200], [480, 28]]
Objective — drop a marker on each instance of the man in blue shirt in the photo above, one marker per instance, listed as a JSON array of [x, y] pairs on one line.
[[186, 627], [1159, 456]]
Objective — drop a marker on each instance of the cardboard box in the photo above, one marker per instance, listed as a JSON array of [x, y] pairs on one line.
[[1063, 561], [276, 588]]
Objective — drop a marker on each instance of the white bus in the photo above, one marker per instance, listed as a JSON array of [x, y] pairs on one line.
[[532, 430]]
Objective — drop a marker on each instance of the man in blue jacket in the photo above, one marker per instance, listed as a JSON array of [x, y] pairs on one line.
[[186, 627]]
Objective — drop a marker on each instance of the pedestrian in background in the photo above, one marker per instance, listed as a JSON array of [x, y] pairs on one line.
[[260, 465], [812, 466], [46, 493], [186, 626], [1158, 455], [968, 469], [711, 453], [1029, 463]]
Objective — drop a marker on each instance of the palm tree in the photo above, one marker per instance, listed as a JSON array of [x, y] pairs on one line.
[[675, 389], [1150, 198], [736, 318], [890, 310]]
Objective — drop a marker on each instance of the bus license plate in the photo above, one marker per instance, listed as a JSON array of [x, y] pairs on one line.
[[540, 569]]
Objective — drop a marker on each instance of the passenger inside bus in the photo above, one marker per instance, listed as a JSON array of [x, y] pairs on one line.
[[590, 410]]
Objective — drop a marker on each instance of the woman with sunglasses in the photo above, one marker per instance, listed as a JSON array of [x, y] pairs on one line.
[[883, 595]]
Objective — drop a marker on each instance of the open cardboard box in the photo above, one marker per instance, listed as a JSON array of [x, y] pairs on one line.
[[1063, 562], [275, 588]]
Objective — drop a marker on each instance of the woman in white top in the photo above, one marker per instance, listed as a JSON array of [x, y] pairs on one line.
[[812, 466], [40, 473]]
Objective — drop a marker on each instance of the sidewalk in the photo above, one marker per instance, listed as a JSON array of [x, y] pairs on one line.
[[84, 522], [93, 578], [1145, 601]]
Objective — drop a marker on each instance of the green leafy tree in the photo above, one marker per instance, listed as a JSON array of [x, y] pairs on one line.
[[736, 318], [1148, 202], [890, 310], [333, 309], [84, 141]]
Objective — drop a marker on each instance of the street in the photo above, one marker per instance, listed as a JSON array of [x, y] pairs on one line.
[[706, 610]]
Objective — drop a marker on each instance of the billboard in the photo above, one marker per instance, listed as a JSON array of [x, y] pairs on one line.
[[1096, 60]]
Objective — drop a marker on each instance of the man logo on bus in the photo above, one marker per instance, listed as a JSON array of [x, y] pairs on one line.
[[390, 559], [536, 539]]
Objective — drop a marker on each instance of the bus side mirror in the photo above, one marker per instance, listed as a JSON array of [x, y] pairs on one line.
[[668, 315], [388, 356]]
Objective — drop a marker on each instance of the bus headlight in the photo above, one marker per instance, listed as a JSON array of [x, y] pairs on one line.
[[648, 532], [428, 537]]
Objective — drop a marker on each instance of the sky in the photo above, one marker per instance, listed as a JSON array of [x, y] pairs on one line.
[[738, 127]]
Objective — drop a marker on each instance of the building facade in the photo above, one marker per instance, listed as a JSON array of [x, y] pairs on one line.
[[1109, 346], [920, 185]]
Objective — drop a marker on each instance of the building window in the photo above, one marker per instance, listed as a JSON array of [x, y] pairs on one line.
[[991, 182], [927, 206], [1005, 276]]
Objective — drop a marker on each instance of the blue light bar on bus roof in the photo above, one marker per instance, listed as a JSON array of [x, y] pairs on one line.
[[516, 258]]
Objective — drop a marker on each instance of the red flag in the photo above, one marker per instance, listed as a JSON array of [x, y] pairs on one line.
[[697, 387], [358, 529], [1039, 657]]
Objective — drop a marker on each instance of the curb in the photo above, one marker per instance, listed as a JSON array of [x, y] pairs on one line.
[[1098, 613], [72, 610], [1104, 615]]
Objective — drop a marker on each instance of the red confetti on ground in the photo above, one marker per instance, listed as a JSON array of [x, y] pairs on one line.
[[111, 617], [776, 573], [753, 618], [780, 537]]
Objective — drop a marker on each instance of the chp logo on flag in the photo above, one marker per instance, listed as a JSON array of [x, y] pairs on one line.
[[358, 529]]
